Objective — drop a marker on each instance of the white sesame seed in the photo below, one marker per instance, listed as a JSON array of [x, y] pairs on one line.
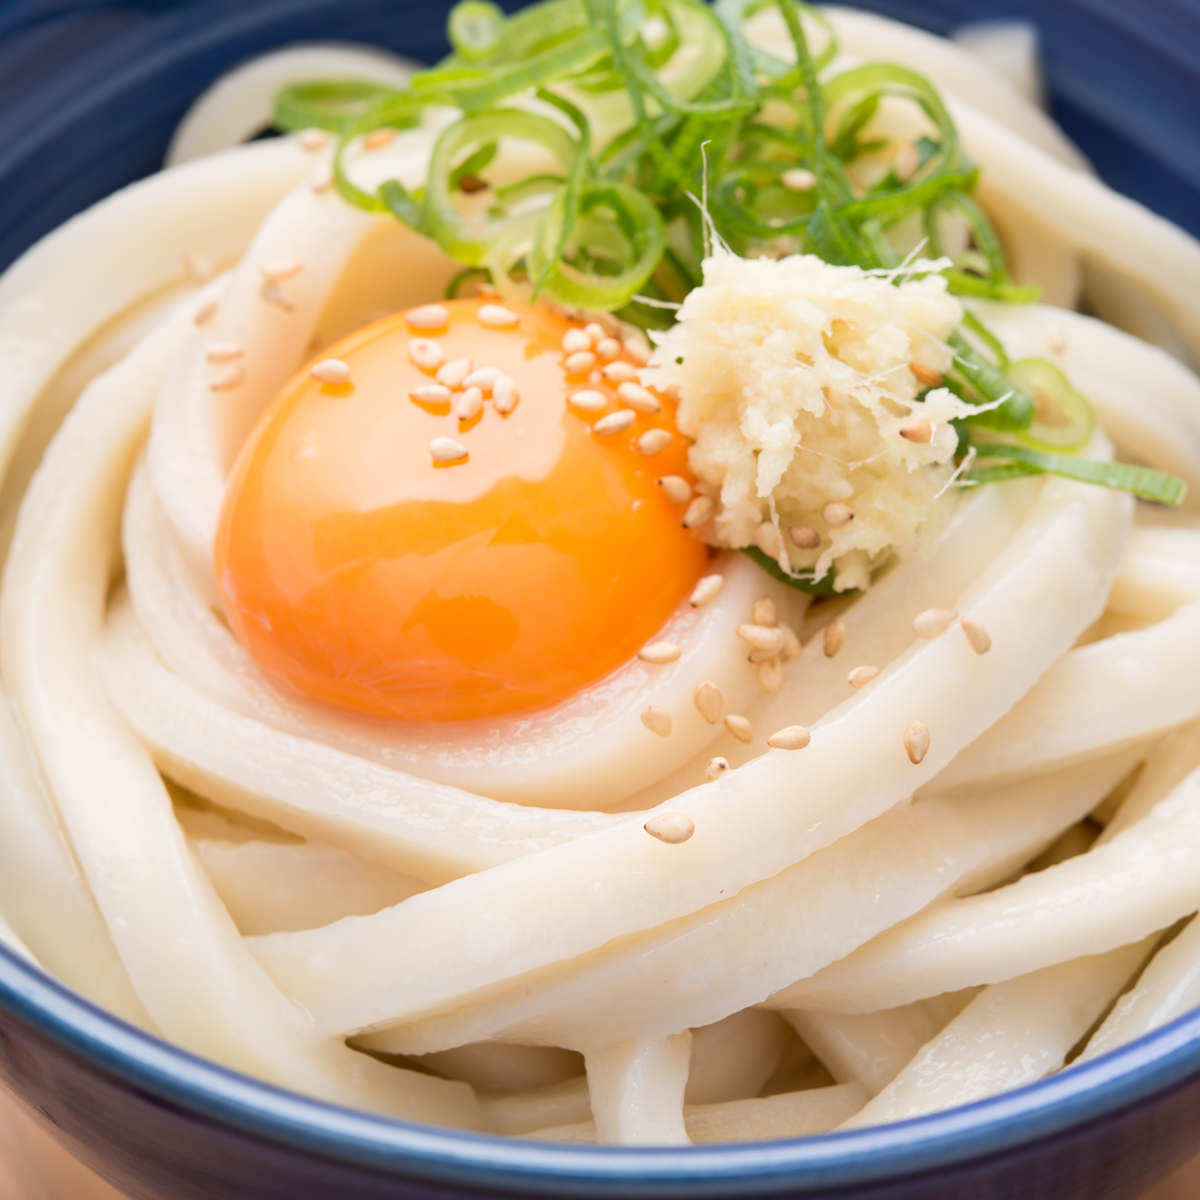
[[201, 267], [715, 768], [699, 512], [790, 737], [676, 488], [905, 164], [639, 397], [763, 612], [470, 404], [671, 828], [706, 590], [770, 675], [273, 295], [654, 441], [637, 349], [798, 179], [280, 269], [619, 372], [576, 340], [1056, 339], [595, 331], [453, 373], [657, 720], [659, 653], [739, 726], [804, 537], [331, 370], [447, 450], [228, 379], [708, 701], [484, 378], [496, 316], [978, 638], [616, 422], [205, 312], [607, 348], [916, 742], [837, 514], [933, 621], [428, 317], [377, 139], [861, 676], [431, 393], [918, 432], [767, 539], [925, 376], [313, 139], [504, 395], [426, 354], [834, 638], [322, 179], [588, 401], [222, 352], [579, 363], [761, 637], [791, 643]]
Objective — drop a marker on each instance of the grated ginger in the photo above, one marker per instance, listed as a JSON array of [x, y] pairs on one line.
[[794, 380]]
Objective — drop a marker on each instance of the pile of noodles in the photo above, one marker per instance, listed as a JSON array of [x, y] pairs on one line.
[[436, 923]]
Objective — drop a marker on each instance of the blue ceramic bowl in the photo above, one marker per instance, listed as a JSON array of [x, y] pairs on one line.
[[103, 84]]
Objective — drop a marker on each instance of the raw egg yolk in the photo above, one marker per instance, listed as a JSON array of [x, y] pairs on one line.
[[453, 531]]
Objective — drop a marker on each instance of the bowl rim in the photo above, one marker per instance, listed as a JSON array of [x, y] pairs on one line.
[[391, 1148]]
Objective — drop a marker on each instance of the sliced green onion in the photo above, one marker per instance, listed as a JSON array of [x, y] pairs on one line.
[[332, 104], [803, 581], [1062, 417], [475, 28], [1014, 406]]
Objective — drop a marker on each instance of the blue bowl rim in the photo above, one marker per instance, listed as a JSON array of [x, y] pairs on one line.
[[1063, 1102]]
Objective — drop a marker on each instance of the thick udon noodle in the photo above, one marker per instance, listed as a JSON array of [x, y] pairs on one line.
[[847, 938]]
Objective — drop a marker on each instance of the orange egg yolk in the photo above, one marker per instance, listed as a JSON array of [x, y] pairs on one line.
[[364, 569]]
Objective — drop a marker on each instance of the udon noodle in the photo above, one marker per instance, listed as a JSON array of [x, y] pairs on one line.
[[467, 924]]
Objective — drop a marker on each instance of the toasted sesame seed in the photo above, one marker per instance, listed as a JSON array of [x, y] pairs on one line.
[[231, 377], [657, 720], [906, 162], [699, 512], [715, 768], [222, 352], [676, 488], [978, 638], [616, 422], [504, 395], [671, 828], [933, 621], [1056, 339], [797, 179], [378, 138], [707, 589], [576, 340], [916, 742], [836, 514], [834, 638], [659, 653], [654, 441], [579, 363], [607, 348], [274, 295], [770, 675], [791, 643], [322, 179], [313, 139], [470, 404], [595, 331], [484, 378], [919, 432], [201, 267], [804, 537], [637, 349], [768, 540], [496, 316], [588, 401], [619, 372], [205, 312], [453, 373], [431, 393], [861, 676], [428, 317], [639, 397], [426, 354], [470, 184], [331, 370], [708, 701], [761, 637], [925, 376], [447, 450], [280, 269], [790, 737], [739, 726], [763, 612]]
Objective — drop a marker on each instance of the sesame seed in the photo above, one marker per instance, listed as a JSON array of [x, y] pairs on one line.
[[933, 621], [763, 612], [659, 653], [431, 393], [470, 404], [313, 139], [428, 317], [270, 293], [619, 372], [978, 638], [657, 720], [453, 373], [322, 179], [926, 376], [706, 590], [761, 637], [616, 422], [331, 370], [588, 401], [739, 726], [916, 742], [906, 162], [595, 331], [222, 352], [708, 701], [607, 348], [676, 488], [201, 267], [470, 184], [426, 354], [804, 537], [836, 514], [484, 378], [715, 768], [767, 539], [671, 828], [576, 340], [637, 349], [496, 316], [797, 179], [834, 638], [790, 737], [770, 675], [447, 450], [579, 363], [379, 138], [1056, 339], [654, 441], [920, 432], [228, 379], [504, 395], [791, 643], [205, 312], [280, 269], [639, 397], [699, 512], [861, 676]]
